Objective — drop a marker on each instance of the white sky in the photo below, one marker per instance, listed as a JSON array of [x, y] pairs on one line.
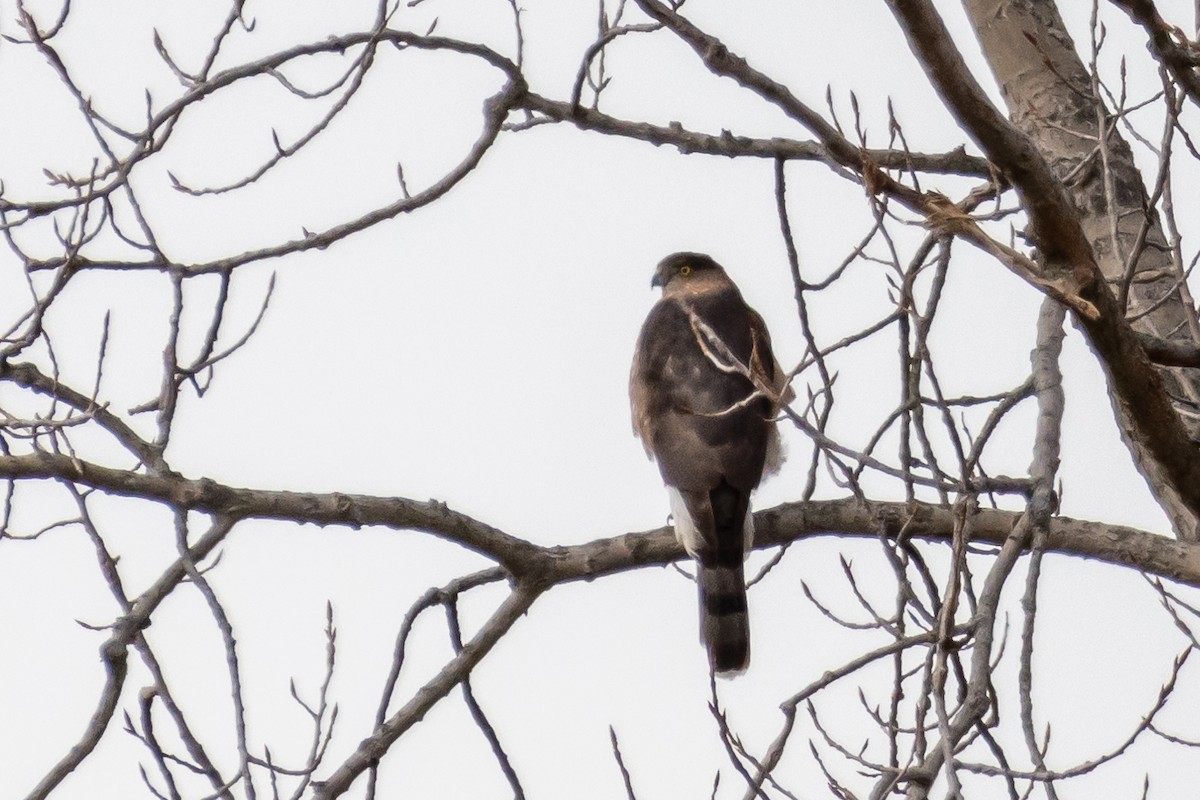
[[477, 352]]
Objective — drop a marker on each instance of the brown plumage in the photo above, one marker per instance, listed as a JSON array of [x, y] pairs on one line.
[[704, 389]]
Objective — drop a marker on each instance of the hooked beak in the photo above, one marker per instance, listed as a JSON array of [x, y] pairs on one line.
[[656, 281]]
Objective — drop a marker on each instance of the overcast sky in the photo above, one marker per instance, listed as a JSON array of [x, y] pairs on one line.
[[477, 352]]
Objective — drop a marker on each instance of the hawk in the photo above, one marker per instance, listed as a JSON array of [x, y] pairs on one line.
[[704, 390]]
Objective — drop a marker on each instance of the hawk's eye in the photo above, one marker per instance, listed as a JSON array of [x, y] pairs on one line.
[[685, 271]]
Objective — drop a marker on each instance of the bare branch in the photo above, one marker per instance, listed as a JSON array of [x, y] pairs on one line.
[[455, 671]]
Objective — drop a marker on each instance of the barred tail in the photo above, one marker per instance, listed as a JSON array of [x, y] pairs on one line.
[[724, 621]]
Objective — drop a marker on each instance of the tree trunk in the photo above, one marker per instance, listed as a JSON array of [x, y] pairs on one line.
[[1050, 97]]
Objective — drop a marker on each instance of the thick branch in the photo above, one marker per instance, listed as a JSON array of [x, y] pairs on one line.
[[1112, 544], [1146, 408], [209, 496], [1170, 352], [1168, 44], [1054, 223]]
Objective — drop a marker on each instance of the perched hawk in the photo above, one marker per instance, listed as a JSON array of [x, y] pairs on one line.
[[705, 388]]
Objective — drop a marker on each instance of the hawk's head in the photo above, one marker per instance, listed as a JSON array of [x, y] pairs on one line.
[[684, 267]]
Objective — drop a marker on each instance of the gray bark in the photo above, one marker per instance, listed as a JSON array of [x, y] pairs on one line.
[[1049, 95]]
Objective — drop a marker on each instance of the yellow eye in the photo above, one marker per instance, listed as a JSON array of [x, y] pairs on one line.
[[685, 271]]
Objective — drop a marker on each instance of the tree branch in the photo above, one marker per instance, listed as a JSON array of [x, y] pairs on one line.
[[455, 671], [1057, 232], [954, 162], [1113, 544], [1168, 43]]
